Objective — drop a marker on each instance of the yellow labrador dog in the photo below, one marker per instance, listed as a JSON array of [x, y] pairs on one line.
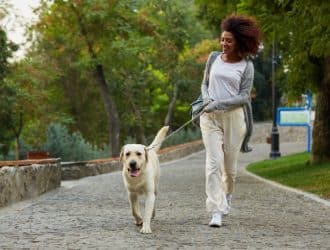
[[141, 173]]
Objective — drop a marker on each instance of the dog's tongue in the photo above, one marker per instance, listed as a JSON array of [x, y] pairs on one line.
[[135, 173]]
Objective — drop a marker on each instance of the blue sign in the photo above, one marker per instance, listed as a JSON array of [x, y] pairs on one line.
[[293, 116], [297, 116]]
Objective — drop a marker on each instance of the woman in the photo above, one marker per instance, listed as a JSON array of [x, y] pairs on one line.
[[226, 122]]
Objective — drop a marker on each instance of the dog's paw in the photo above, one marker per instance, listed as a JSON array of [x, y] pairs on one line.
[[145, 230]]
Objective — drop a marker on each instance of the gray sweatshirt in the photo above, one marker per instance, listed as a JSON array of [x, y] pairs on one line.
[[241, 100]]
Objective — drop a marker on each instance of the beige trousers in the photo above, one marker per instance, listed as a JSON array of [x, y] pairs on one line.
[[223, 134]]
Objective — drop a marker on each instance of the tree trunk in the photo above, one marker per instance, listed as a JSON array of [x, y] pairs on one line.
[[111, 111], [110, 107], [17, 130], [141, 138], [171, 106], [321, 129], [17, 148]]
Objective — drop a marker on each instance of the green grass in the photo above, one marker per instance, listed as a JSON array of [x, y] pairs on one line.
[[296, 171]]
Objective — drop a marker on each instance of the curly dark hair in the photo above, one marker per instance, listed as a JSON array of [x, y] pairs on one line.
[[246, 32]]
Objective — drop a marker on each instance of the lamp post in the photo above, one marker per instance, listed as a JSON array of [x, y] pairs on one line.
[[275, 136]]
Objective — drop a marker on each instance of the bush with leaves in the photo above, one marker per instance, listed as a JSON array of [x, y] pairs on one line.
[[183, 136], [70, 147]]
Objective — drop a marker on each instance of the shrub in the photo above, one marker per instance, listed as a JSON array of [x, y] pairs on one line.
[[182, 136], [71, 147]]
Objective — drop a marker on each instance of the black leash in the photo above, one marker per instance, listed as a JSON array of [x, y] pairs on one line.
[[180, 128]]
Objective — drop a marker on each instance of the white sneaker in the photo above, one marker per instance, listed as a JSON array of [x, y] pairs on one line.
[[216, 220], [228, 197], [226, 212]]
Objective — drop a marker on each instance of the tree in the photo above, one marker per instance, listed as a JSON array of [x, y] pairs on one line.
[[214, 11], [6, 135], [6, 50], [137, 43], [30, 111], [88, 29], [176, 30], [302, 33], [262, 101]]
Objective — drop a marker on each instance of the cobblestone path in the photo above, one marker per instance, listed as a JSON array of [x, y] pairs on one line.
[[93, 213]]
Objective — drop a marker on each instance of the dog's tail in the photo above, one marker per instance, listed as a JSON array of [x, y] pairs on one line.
[[157, 142]]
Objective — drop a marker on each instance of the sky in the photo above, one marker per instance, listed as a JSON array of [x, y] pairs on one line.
[[20, 15]]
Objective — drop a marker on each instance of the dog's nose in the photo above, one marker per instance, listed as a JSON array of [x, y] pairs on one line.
[[132, 164]]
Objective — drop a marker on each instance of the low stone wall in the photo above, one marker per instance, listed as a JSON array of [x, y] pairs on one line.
[[77, 170], [25, 179], [179, 151], [262, 130]]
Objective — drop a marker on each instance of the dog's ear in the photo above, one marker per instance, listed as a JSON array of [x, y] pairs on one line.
[[146, 154], [121, 154]]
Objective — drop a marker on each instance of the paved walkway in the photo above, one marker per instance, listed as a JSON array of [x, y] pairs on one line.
[[93, 213]]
